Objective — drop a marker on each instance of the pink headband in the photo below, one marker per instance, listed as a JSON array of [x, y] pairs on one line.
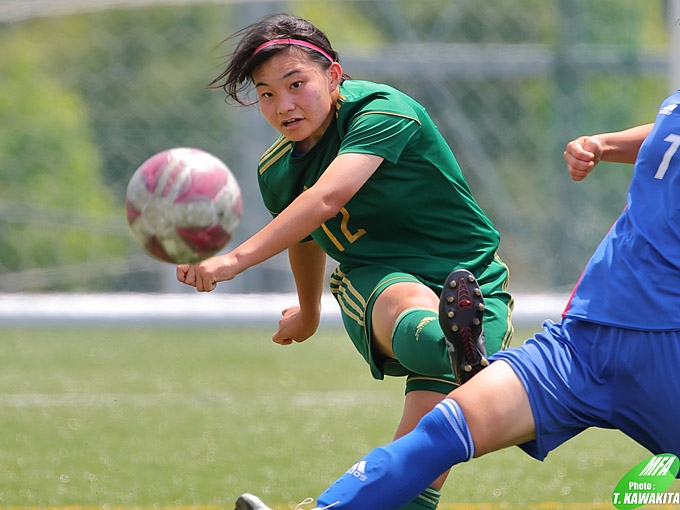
[[294, 42]]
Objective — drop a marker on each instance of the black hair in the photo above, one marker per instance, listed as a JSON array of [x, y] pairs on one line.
[[236, 79]]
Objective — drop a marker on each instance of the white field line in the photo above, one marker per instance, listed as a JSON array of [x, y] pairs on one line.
[[126, 309], [78, 400]]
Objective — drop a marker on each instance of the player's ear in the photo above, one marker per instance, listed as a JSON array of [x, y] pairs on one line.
[[335, 75]]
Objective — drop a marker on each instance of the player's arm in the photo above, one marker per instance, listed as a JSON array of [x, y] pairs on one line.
[[346, 174], [583, 153], [308, 264]]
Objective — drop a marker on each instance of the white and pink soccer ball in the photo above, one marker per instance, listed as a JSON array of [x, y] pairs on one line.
[[183, 205]]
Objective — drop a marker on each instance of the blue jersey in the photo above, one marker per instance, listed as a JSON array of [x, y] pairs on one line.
[[633, 279]]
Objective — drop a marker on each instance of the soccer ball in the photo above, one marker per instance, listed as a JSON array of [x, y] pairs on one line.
[[183, 205]]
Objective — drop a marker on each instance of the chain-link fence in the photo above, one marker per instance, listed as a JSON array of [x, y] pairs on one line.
[[89, 90]]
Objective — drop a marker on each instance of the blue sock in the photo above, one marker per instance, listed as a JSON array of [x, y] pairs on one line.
[[393, 475]]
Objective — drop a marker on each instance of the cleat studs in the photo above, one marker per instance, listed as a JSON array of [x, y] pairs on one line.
[[461, 313]]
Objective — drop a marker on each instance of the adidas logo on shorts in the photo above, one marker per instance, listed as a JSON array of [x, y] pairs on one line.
[[358, 470]]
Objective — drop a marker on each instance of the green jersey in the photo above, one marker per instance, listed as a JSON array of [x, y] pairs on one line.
[[415, 213]]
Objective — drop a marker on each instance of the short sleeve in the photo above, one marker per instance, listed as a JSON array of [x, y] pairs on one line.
[[383, 134]]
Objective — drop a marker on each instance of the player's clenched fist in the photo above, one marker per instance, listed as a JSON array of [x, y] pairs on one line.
[[186, 273], [192, 274], [582, 155], [205, 275]]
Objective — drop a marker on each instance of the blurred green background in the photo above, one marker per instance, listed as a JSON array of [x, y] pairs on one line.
[[90, 90]]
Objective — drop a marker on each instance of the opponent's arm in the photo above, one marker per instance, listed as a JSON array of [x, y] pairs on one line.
[[298, 323], [322, 201], [583, 153]]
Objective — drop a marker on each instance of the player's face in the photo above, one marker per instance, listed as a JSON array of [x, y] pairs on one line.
[[297, 96]]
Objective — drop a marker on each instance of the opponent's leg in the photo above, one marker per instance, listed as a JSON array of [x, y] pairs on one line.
[[497, 415], [396, 473]]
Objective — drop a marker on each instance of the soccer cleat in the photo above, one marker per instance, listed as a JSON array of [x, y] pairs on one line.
[[249, 502], [461, 311]]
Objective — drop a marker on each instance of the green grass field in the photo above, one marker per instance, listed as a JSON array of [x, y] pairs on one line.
[[150, 418]]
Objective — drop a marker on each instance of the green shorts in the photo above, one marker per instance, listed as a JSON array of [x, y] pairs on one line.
[[357, 289]]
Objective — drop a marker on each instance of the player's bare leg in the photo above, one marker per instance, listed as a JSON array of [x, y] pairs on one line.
[[506, 418]]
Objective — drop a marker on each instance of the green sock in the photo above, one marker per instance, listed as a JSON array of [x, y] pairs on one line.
[[429, 499], [418, 342]]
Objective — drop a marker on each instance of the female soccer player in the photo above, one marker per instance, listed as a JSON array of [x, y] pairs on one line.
[[607, 365], [360, 173]]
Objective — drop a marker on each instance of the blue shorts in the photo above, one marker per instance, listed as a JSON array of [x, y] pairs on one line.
[[579, 375]]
